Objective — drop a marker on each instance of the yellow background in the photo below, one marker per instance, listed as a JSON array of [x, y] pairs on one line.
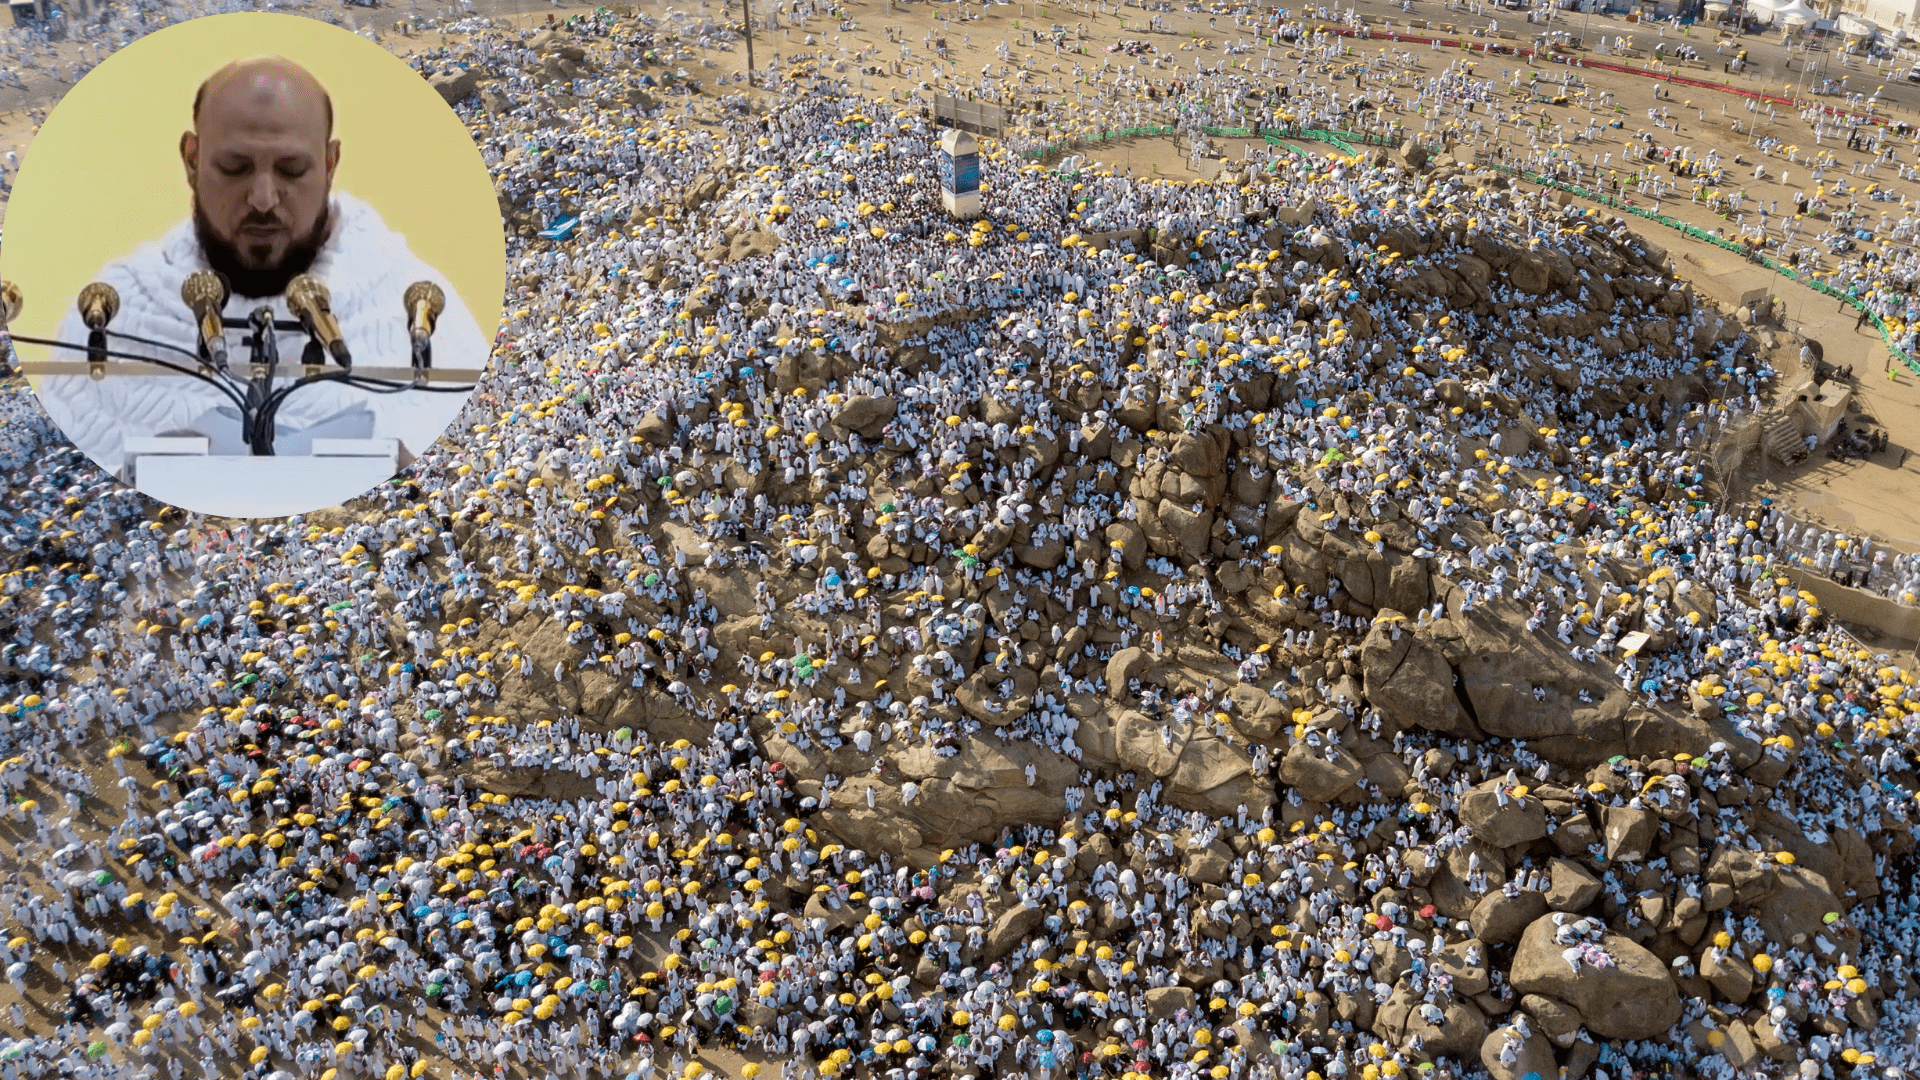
[[103, 175]]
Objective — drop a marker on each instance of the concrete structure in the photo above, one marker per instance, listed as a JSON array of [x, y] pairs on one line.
[[1886, 14], [959, 163], [1823, 407]]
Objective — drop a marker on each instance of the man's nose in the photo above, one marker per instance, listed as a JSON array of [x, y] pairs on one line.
[[263, 194]]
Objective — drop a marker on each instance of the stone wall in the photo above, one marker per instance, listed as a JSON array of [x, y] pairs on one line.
[[1860, 607]]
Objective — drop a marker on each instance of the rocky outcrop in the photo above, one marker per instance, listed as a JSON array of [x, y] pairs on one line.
[[456, 87], [1634, 998]]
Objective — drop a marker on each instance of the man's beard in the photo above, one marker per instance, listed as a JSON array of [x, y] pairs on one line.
[[254, 282]]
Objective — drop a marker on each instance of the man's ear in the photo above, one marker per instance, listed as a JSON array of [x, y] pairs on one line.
[[333, 159], [189, 154]]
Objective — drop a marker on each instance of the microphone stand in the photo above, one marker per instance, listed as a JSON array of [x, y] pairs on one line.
[[313, 357], [422, 358], [97, 353], [257, 402], [263, 360]]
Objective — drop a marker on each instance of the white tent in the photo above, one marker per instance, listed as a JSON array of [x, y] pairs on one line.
[[1853, 26], [1796, 13]]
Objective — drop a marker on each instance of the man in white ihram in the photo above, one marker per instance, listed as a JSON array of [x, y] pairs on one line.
[[260, 162]]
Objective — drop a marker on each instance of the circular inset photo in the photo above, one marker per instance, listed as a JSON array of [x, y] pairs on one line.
[[254, 265]]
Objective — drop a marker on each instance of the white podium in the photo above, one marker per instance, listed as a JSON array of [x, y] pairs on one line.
[[179, 471]]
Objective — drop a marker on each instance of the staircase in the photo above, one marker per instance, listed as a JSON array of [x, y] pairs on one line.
[[1781, 434]]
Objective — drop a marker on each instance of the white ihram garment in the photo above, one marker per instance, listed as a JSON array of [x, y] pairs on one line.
[[366, 268]]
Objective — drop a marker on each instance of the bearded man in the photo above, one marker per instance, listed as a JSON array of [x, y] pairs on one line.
[[260, 160]]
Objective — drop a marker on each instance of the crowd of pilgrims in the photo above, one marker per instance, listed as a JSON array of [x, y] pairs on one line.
[[256, 772]]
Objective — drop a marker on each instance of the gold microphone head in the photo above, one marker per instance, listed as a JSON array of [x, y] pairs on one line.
[[307, 293], [204, 290], [98, 304], [427, 294], [11, 301]]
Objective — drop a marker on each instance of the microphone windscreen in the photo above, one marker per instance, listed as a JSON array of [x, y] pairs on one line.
[[425, 292], [100, 297], [306, 295], [204, 290]]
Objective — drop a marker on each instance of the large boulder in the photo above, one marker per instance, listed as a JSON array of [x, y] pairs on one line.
[[1571, 887], [1256, 713], [1319, 773], [997, 699], [864, 415], [1795, 911], [1454, 1028], [1015, 923], [1209, 863], [1176, 529], [1201, 772], [456, 87], [1532, 1056], [1500, 919], [961, 799], [1634, 999], [1630, 833], [1731, 975], [554, 43], [1458, 1032], [1164, 1001], [1410, 682], [1502, 820]]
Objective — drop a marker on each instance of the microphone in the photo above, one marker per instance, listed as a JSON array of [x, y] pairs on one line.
[[205, 293], [425, 302], [98, 303], [11, 301], [309, 301]]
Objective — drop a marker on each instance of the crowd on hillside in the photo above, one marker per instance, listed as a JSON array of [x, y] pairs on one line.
[[318, 854]]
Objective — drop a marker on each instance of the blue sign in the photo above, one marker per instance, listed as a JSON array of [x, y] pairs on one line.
[[959, 175], [561, 229]]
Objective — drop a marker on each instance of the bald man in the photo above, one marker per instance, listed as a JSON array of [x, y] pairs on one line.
[[259, 163]]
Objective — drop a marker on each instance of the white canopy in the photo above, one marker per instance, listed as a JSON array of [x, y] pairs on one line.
[[1854, 26], [1796, 13]]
